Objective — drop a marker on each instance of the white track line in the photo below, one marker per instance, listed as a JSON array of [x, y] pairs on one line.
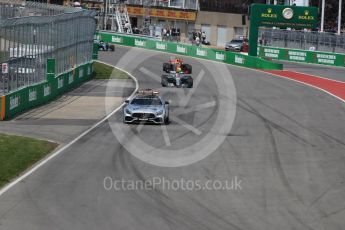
[[59, 151], [166, 135]]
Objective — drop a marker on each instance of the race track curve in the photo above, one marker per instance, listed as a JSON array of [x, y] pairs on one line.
[[285, 148]]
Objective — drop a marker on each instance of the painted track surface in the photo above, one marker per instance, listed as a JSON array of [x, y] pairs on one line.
[[335, 73], [287, 146]]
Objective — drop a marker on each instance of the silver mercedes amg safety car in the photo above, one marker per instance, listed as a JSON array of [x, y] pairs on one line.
[[146, 106]]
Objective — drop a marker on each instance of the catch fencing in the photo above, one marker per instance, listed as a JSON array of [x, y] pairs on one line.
[[31, 33], [45, 50], [303, 40]]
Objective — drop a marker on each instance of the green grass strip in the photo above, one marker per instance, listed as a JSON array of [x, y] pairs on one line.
[[19, 153], [102, 71]]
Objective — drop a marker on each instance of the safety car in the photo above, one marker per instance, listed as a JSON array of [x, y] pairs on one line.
[[146, 106]]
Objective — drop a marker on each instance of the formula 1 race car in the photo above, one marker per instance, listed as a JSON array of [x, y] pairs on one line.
[[179, 80], [146, 106], [103, 46], [176, 64]]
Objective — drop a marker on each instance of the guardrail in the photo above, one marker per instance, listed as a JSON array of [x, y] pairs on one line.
[[28, 97], [314, 57], [189, 50]]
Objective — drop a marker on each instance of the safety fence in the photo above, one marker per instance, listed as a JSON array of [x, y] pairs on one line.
[[303, 40], [188, 50], [40, 93], [32, 33], [304, 56]]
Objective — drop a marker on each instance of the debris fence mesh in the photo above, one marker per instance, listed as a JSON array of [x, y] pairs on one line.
[[32, 32]]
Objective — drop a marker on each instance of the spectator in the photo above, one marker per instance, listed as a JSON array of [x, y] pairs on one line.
[[127, 27], [197, 41], [168, 33], [194, 35], [203, 36], [164, 32]]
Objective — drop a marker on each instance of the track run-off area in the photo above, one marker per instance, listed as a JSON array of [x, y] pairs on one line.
[[246, 150]]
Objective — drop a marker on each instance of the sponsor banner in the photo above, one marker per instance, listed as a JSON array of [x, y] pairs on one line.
[[201, 52], [239, 59], [220, 56], [70, 78], [284, 16], [161, 46], [181, 49], [60, 83], [297, 55], [139, 42], [163, 13], [81, 72], [14, 102], [32, 95], [46, 90], [305, 56], [116, 39], [271, 53], [89, 70], [328, 59]]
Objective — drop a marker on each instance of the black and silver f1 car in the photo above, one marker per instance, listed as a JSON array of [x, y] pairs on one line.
[[146, 106], [177, 65], [179, 80], [104, 46]]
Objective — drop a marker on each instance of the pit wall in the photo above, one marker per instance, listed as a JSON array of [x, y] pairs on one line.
[[189, 50], [304, 56], [23, 99]]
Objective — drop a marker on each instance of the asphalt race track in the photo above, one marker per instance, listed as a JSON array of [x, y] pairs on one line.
[[330, 72], [285, 146]]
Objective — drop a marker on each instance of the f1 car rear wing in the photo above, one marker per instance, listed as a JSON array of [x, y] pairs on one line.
[[176, 61]]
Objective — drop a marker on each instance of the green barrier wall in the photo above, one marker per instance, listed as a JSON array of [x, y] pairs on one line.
[[314, 57], [41, 93], [189, 50]]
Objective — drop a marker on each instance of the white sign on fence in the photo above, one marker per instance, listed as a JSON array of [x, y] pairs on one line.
[[4, 67]]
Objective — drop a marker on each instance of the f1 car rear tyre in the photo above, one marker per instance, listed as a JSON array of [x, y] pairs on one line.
[[167, 67], [186, 68]]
